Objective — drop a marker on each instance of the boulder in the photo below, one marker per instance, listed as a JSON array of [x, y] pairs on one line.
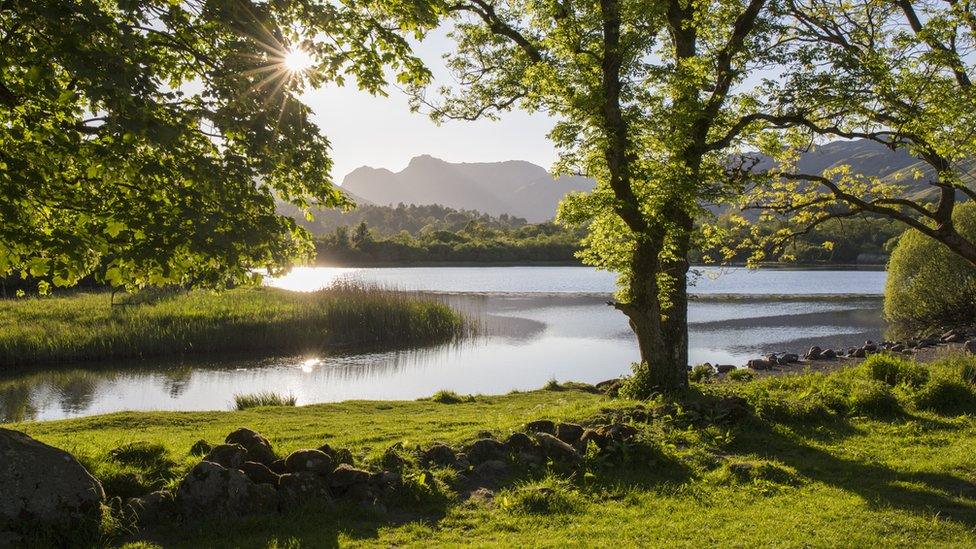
[[828, 354], [518, 442], [569, 433], [200, 448], [618, 432], [486, 449], [556, 449], [258, 448], [42, 486], [150, 509], [724, 368], [789, 358], [295, 488], [541, 426], [870, 347], [338, 455], [259, 473], [310, 461], [971, 346], [212, 490], [278, 467], [759, 364], [492, 471], [231, 456], [897, 348], [441, 455], [814, 353], [346, 476]]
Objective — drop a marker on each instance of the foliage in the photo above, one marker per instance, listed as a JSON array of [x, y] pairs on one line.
[[262, 398], [701, 373], [894, 370], [928, 284], [740, 374], [475, 242], [145, 142], [415, 219], [548, 496], [638, 386], [947, 395], [450, 397], [346, 316]]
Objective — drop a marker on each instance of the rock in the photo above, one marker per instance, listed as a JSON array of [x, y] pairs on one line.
[[759, 364], [591, 435], [441, 454], [259, 473], [212, 490], [617, 432], [814, 353], [556, 449], [971, 346], [42, 486], [278, 467], [345, 476], [828, 354], [897, 348], [258, 448], [338, 455], [518, 442], [870, 347], [295, 488], [150, 509], [486, 449], [480, 496], [789, 358], [311, 461], [392, 459], [860, 352], [541, 426], [532, 455], [200, 448], [228, 455], [569, 433], [724, 368], [492, 470]]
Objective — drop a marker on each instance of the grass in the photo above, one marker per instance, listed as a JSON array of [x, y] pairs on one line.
[[81, 327], [824, 461], [262, 398]]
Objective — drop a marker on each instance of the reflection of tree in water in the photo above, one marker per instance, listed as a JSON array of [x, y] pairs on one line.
[[15, 402], [177, 379]]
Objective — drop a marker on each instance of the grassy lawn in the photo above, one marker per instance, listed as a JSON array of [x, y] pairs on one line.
[[821, 462], [88, 327]]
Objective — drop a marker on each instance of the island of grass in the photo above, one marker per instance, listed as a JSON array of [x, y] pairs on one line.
[[346, 317], [879, 454]]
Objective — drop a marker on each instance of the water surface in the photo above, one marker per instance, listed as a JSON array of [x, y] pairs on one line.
[[539, 323]]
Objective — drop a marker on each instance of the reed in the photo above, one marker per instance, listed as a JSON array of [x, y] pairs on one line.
[[346, 317], [262, 398]]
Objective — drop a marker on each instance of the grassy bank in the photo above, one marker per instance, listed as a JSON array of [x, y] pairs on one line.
[[876, 455], [267, 320]]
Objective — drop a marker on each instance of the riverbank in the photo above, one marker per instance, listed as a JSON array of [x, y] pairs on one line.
[[89, 327], [855, 458]]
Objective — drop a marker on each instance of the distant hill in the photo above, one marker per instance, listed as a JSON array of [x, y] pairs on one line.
[[525, 190], [515, 187]]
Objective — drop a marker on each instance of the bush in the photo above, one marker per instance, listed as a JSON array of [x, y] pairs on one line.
[[873, 398], [740, 374], [928, 284], [701, 373], [262, 398], [895, 370], [450, 397], [946, 396], [546, 497]]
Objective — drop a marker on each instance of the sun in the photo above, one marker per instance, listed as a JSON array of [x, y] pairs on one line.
[[298, 60]]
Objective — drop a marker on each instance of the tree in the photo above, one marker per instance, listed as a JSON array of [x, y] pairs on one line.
[[898, 72], [146, 141], [648, 97]]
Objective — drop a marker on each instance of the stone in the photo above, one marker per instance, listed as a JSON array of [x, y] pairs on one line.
[[971, 346], [532, 455], [259, 473], [897, 348], [814, 353], [345, 476], [150, 509], [311, 461], [338, 455], [392, 459], [789, 358], [441, 455], [303, 486], [212, 490], [870, 347], [557, 450], [828, 354], [42, 486], [227, 455], [278, 467], [492, 470], [200, 448], [724, 368], [569, 433], [258, 448], [518, 442], [541, 426], [618, 432], [759, 364], [860, 352], [486, 449]]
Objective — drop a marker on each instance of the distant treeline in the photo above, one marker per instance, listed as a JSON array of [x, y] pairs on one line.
[[392, 220]]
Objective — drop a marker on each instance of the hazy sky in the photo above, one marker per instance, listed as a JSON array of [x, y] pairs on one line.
[[383, 133]]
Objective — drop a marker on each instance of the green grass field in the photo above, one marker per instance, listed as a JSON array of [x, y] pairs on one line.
[[878, 455], [88, 327]]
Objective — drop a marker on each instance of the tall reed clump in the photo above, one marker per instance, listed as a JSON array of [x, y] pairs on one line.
[[262, 398], [348, 316]]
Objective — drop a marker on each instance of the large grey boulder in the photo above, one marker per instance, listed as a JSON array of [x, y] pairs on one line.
[[42, 486], [212, 490]]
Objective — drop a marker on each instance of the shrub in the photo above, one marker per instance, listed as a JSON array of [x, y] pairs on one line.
[[873, 398], [740, 374], [701, 373], [946, 396], [450, 397], [262, 398], [895, 370], [927, 283], [638, 386]]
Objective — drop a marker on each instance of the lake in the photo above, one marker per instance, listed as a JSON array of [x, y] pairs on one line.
[[537, 324]]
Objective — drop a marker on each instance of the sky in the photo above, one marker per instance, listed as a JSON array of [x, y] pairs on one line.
[[381, 132]]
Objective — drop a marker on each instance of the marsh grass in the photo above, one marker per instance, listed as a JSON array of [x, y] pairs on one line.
[[347, 316], [262, 398], [450, 397]]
